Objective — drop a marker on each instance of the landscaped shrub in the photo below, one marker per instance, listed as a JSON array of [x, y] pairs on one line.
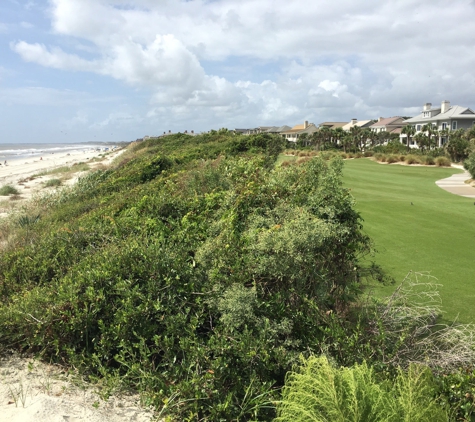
[[392, 159], [319, 391], [358, 155], [8, 190], [412, 159], [380, 157], [368, 153], [427, 160], [443, 162], [469, 164]]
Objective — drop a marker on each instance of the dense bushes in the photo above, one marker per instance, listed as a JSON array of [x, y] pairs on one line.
[[469, 164], [198, 282]]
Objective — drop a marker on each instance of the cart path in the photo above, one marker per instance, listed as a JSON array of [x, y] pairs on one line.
[[456, 184]]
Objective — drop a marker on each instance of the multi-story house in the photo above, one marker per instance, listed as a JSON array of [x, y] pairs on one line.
[[443, 119]]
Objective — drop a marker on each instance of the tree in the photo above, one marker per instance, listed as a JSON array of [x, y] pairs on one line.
[[422, 140], [409, 131], [458, 146], [430, 130]]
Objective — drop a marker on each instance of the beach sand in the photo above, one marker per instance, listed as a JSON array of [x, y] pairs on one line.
[[19, 174], [31, 391]]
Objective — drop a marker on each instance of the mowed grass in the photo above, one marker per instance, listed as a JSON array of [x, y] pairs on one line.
[[436, 234]]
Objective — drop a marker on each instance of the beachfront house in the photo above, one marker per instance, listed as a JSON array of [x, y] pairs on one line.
[[292, 135], [443, 120]]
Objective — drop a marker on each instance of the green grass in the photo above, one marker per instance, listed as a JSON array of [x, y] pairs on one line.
[[436, 234]]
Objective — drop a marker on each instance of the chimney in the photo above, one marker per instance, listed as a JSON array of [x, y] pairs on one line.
[[192, 131], [380, 118], [354, 121], [169, 131], [305, 124], [427, 106], [445, 106], [186, 131]]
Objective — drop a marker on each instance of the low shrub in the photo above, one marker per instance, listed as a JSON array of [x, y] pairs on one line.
[[412, 159], [52, 183], [379, 156], [343, 155], [442, 162], [358, 155], [368, 153], [427, 160], [8, 190], [392, 159], [469, 164]]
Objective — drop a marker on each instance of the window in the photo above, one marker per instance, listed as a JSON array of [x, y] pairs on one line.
[[454, 125], [443, 141], [444, 126], [418, 128]]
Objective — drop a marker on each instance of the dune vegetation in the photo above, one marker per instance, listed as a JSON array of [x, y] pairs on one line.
[[200, 271]]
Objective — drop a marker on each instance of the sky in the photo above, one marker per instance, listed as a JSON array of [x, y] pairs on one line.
[[117, 70]]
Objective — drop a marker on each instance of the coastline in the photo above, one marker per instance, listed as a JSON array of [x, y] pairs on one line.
[[29, 175]]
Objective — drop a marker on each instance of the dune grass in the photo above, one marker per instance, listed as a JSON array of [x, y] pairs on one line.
[[436, 233]]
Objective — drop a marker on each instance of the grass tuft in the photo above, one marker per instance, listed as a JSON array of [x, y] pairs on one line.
[[8, 190]]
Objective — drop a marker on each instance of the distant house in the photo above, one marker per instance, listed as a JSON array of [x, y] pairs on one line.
[[355, 122], [293, 134], [444, 119], [332, 125], [278, 129], [388, 124]]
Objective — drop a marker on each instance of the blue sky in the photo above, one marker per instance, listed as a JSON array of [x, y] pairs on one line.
[[116, 70]]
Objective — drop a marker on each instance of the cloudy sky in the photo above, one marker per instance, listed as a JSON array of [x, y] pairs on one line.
[[116, 70]]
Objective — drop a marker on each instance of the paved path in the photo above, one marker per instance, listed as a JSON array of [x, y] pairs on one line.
[[456, 184]]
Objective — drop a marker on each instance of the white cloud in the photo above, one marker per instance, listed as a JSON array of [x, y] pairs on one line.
[[327, 58]]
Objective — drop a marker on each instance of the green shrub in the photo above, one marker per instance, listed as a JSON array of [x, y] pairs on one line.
[[412, 159], [380, 157], [469, 164], [390, 159], [368, 153], [443, 162], [52, 183], [359, 155], [8, 190], [427, 160]]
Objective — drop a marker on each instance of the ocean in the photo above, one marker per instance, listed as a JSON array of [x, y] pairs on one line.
[[13, 152]]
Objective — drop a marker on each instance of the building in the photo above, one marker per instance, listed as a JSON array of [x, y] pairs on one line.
[[354, 122], [444, 119], [293, 134], [388, 124]]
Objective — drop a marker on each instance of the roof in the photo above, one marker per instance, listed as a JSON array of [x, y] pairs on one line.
[[276, 129], [454, 112], [387, 121], [332, 125], [360, 123]]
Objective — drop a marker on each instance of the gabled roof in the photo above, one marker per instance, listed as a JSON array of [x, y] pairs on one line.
[[360, 123], [332, 125], [454, 112], [387, 121], [276, 129]]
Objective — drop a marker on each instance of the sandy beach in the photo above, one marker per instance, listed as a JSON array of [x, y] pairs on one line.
[[31, 391], [29, 176]]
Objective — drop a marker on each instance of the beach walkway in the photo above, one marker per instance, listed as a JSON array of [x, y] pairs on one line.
[[456, 184]]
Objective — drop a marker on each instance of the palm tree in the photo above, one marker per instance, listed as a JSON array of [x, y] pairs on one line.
[[430, 130], [409, 131]]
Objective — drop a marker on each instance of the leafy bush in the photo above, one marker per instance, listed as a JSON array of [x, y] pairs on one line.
[[322, 392], [194, 281], [469, 164], [8, 190], [380, 157], [442, 162]]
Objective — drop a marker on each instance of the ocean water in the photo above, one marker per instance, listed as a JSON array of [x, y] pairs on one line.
[[13, 152]]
